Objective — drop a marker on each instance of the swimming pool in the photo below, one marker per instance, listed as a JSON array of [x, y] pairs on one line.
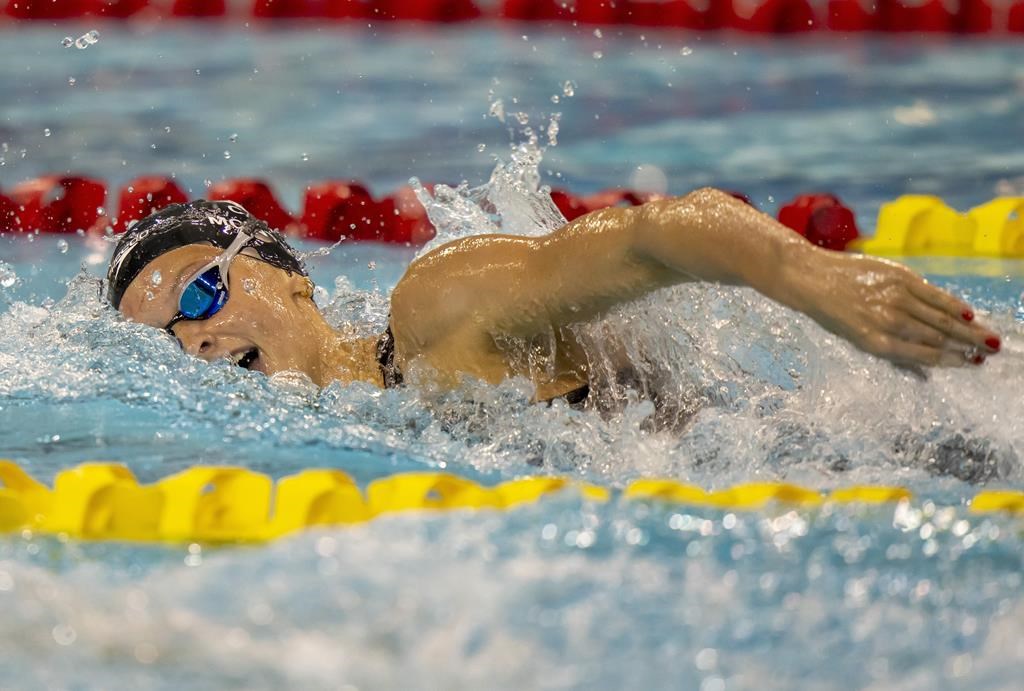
[[564, 594]]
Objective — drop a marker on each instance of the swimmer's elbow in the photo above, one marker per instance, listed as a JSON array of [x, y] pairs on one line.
[[665, 228], [708, 197]]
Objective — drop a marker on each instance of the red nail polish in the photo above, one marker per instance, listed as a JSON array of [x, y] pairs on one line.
[[967, 315], [992, 343], [978, 359]]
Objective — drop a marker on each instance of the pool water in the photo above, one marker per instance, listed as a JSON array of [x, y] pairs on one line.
[[563, 594]]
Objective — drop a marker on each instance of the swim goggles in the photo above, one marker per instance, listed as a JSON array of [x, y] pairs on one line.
[[206, 292]]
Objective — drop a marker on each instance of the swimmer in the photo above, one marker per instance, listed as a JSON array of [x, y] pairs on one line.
[[227, 286]]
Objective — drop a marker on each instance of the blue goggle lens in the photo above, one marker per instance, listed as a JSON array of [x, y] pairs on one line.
[[204, 296]]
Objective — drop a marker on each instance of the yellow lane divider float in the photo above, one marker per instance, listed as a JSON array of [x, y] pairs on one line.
[[103, 501], [916, 225]]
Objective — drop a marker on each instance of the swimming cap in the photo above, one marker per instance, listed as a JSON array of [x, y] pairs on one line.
[[199, 222]]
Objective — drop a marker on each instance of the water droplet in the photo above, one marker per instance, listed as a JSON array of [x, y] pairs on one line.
[[64, 634], [598, 55], [7, 276], [597, 33], [233, 137], [497, 110], [81, 43], [46, 132], [72, 81], [67, 41], [371, 265], [93, 36], [522, 118], [198, 72], [553, 132], [686, 50], [555, 98], [62, 245], [305, 156], [152, 146], [167, 129], [649, 178], [227, 155], [481, 147], [149, 295], [248, 285], [569, 89], [157, 278]]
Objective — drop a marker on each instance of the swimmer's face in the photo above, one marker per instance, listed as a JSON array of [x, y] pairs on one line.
[[268, 314]]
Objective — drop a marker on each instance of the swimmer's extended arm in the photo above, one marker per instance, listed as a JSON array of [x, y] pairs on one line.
[[495, 284]]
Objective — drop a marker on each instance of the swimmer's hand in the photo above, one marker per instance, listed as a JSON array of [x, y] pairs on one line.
[[887, 310]]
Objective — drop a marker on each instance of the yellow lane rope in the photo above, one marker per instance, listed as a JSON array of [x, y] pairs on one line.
[[924, 225], [103, 501]]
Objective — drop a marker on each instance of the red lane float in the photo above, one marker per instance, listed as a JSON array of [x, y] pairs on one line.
[[199, 9], [48, 9], [411, 223], [327, 204], [339, 209], [58, 204], [312, 9], [571, 206], [427, 10], [8, 214], [851, 15], [769, 16], [537, 10], [821, 218], [758, 16], [600, 11], [914, 16], [975, 17], [1015, 18], [256, 197], [142, 196], [120, 9]]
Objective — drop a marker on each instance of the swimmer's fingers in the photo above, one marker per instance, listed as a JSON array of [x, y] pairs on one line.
[[903, 352], [910, 329], [961, 334], [940, 299]]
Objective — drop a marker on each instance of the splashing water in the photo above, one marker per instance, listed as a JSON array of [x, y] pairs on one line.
[[744, 387]]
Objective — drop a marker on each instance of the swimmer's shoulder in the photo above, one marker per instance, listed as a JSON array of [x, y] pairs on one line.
[[449, 292], [444, 307]]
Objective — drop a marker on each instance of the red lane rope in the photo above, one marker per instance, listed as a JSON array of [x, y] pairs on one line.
[[333, 209], [755, 16]]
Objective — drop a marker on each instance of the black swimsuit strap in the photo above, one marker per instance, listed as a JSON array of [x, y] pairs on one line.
[[577, 398], [389, 371]]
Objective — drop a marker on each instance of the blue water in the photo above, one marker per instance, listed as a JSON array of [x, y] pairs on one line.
[[563, 594]]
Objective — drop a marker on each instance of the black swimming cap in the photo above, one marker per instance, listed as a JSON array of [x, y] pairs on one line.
[[199, 222]]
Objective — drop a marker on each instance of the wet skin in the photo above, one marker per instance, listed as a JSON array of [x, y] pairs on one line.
[[455, 307], [268, 310]]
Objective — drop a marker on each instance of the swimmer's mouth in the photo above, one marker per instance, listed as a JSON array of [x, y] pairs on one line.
[[247, 359]]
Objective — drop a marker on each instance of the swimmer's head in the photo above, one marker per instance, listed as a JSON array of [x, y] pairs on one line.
[[165, 272], [215, 223]]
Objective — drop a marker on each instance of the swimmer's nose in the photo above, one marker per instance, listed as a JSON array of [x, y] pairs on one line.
[[197, 342]]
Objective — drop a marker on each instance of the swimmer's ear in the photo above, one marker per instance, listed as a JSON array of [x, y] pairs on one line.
[[300, 286]]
